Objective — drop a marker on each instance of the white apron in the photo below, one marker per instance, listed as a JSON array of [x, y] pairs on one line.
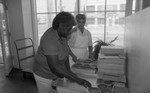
[[80, 48]]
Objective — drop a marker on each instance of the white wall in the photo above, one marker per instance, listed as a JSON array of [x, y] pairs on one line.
[[27, 18], [28, 31], [137, 43], [15, 24], [20, 22]]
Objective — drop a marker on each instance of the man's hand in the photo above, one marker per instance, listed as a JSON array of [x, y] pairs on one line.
[[85, 83]]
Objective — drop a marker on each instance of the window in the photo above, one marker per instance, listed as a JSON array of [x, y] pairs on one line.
[[100, 8], [122, 7], [90, 8], [111, 7], [90, 21], [100, 21], [105, 18]]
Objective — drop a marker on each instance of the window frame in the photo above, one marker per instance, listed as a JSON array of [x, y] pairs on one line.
[[105, 11]]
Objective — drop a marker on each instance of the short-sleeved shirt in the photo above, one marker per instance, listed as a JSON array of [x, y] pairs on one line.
[[50, 44], [76, 41]]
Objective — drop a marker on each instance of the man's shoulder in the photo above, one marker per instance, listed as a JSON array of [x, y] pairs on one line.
[[74, 29], [49, 35], [49, 32]]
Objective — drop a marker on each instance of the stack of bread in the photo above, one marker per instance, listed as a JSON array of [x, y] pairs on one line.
[[85, 66]]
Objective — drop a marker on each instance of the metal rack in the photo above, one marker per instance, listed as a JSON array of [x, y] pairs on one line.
[[24, 44]]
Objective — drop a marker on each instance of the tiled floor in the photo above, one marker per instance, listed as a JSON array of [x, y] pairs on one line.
[[15, 83]]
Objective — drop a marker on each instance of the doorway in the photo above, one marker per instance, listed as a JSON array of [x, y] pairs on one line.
[[5, 54]]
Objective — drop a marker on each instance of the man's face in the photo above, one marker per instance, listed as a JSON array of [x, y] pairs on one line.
[[81, 23], [64, 30]]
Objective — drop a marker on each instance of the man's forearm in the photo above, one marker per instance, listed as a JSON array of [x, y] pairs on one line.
[[90, 48]]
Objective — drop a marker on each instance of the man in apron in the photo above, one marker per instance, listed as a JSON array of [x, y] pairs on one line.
[[80, 41]]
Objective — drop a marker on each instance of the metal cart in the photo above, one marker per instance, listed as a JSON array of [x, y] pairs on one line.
[[25, 52]]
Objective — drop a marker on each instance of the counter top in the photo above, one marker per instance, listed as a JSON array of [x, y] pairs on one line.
[[72, 87]]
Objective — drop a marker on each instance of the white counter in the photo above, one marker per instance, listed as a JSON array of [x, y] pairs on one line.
[[66, 86]]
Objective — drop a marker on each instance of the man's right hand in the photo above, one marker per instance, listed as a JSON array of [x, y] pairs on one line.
[[85, 83]]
